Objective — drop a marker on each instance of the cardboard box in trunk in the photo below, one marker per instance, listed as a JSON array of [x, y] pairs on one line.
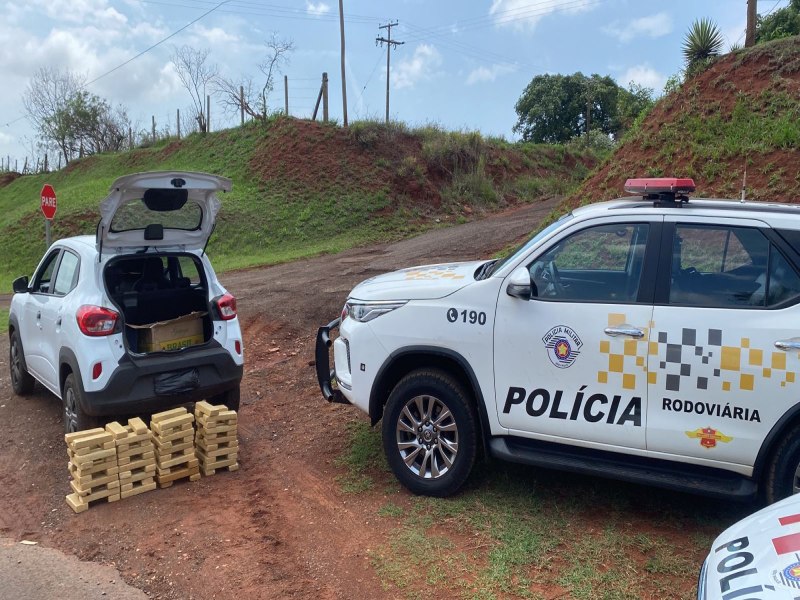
[[171, 335]]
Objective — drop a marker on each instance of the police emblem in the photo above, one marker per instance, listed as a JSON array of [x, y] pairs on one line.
[[562, 345]]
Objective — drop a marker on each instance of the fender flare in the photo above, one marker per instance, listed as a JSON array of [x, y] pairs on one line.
[[773, 438], [376, 402]]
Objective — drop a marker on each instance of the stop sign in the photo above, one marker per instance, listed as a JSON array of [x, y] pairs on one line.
[[48, 201]]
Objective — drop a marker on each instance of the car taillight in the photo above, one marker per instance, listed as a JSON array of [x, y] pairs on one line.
[[96, 321], [226, 304]]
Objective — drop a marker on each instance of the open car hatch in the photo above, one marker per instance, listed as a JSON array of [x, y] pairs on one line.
[[164, 209]]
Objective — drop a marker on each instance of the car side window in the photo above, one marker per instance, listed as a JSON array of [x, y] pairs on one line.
[[43, 277], [598, 264], [726, 267], [67, 275]]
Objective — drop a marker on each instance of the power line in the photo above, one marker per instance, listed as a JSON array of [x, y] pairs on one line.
[[511, 15], [280, 12], [146, 50]]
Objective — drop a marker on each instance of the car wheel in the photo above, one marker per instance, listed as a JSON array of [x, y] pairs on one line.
[[230, 399], [74, 417], [783, 477], [430, 433], [21, 381]]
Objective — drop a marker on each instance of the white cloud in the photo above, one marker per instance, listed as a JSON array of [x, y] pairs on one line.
[[644, 75], [318, 9], [485, 74], [651, 26], [421, 66], [522, 14], [215, 35]]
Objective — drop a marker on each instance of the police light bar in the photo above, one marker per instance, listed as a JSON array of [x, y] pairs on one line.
[[659, 185]]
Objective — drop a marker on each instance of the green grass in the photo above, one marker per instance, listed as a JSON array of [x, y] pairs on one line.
[[515, 532], [3, 320], [299, 188]]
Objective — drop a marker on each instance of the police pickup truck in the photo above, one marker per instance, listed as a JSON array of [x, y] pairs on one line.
[[653, 339]]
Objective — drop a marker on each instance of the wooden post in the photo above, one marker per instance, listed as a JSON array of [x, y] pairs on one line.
[[45, 162], [178, 122], [25, 165], [325, 97], [208, 113], [130, 143], [241, 103], [286, 95], [344, 77], [154, 129], [316, 106], [752, 16]]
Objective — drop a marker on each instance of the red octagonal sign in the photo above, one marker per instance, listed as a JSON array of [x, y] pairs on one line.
[[48, 201]]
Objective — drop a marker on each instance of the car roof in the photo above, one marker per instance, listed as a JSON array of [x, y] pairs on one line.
[[767, 211]]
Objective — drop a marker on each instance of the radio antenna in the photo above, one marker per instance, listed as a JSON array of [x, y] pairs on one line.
[[744, 182]]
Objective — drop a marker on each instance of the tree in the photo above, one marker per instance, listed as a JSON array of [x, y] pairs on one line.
[[248, 95], [701, 44], [70, 118], [557, 108], [195, 75], [784, 22], [632, 103], [46, 99]]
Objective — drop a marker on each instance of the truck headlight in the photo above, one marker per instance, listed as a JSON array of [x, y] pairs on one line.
[[366, 311]]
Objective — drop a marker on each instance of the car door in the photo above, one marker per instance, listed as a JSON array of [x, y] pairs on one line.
[[38, 304], [53, 314], [570, 364], [726, 330]]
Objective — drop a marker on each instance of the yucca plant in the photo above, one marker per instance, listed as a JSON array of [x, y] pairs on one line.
[[703, 41]]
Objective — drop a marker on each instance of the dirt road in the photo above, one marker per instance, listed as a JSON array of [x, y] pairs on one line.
[[280, 527]]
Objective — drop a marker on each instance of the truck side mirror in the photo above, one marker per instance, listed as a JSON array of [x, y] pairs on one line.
[[20, 285], [520, 285]]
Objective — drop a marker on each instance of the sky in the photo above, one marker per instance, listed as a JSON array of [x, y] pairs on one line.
[[463, 63]]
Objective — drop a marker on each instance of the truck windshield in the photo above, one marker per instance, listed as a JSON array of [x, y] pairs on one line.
[[529, 244]]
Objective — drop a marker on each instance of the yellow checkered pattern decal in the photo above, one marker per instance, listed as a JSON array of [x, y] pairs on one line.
[[698, 360]]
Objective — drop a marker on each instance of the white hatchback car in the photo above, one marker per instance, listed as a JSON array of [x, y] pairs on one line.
[[133, 319], [654, 339]]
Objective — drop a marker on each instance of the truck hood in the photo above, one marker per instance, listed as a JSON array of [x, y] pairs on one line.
[[760, 552], [418, 283]]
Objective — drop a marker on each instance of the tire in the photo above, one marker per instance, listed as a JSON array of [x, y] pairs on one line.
[[430, 433], [783, 476], [74, 417], [21, 381], [230, 398]]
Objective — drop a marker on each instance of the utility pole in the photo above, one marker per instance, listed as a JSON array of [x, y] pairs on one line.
[[752, 14], [344, 77], [389, 43]]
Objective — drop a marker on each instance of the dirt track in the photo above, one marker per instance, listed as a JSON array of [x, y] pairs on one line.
[[278, 528]]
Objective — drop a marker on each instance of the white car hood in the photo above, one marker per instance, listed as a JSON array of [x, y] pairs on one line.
[[127, 192], [759, 556], [426, 282]]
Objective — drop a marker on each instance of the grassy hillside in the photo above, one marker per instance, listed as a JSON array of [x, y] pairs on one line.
[[743, 111], [302, 188]]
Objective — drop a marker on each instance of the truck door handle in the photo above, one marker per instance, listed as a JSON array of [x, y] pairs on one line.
[[38, 315], [624, 329], [58, 322], [788, 345]]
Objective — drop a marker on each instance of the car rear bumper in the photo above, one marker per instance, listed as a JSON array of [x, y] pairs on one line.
[[155, 382]]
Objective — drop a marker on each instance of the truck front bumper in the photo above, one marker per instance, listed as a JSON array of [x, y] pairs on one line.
[[325, 375]]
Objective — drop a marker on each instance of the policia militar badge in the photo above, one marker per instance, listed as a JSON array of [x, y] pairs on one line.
[[563, 346]]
